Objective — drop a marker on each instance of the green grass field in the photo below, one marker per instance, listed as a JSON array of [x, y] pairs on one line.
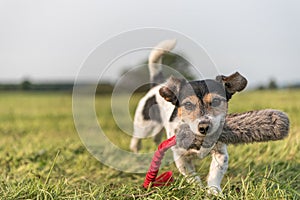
[[42, 156]]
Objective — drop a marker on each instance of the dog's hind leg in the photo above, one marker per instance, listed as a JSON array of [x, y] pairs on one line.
[[135, 144], [136, 140]]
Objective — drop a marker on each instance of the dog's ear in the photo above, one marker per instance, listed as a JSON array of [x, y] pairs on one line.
[[170, 90], [233, 83]]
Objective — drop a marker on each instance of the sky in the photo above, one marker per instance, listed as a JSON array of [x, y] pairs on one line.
[[50, 40]]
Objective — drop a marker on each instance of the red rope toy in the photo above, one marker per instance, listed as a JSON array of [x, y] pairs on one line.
[[151, 176]]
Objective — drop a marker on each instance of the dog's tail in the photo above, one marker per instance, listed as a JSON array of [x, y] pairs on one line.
[[155, 60], [255, 126]]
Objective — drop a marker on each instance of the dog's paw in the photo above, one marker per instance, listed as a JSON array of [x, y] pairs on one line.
[[214, 190], [195, 180]]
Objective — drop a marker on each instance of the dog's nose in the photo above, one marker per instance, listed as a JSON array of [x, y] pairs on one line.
[[203, 127]]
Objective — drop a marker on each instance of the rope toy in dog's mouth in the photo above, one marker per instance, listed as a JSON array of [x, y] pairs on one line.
[[249, 127]]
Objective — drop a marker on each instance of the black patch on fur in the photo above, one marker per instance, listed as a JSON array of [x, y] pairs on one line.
[[228, 96], [174, 114], [151, 110]]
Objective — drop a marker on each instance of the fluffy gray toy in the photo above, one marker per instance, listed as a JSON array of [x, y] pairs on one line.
[[241, 128]]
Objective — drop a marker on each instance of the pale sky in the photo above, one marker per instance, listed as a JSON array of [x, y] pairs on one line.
[[49, 40]]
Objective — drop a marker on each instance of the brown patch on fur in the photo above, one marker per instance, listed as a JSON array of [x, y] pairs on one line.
[[222, 108], [208, 98], [179, 112], [167, 94], [194, 99], [195, 112], [233, 83], [171, 90]]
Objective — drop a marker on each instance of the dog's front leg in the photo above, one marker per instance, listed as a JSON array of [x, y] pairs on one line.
[[218, 167], [186, 167]]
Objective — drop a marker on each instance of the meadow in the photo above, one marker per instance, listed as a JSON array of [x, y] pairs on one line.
[[42, 156]]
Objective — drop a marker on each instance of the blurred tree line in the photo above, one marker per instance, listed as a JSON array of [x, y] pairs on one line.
[[107, 88], [131, 78], [271, 85], [176, 62], [26, 86]]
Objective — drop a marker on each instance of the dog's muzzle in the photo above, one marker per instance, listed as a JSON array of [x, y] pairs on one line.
[[204, 126]]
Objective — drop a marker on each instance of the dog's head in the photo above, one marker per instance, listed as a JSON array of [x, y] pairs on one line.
[[202, 104]]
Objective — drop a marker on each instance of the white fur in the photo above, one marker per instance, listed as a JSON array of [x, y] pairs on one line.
[[155, 57]]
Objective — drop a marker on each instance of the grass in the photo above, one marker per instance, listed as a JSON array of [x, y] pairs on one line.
[[42, 156]]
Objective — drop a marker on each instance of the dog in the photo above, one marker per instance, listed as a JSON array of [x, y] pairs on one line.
[[200, 104]]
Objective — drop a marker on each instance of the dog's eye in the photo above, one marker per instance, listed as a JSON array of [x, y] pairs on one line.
[[215, 102], [189, 106]]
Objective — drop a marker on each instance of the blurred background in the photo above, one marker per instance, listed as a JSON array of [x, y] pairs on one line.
[[44, 43]]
